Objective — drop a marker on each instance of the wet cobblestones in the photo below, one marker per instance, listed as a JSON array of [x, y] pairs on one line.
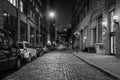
[[58, 66]]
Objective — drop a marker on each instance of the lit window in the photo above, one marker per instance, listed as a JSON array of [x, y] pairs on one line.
[[100, 29], [13, 2], [10, 1], [17, 3], [21, 6]]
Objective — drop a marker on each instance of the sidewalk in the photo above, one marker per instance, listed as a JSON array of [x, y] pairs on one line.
[[107, 63]]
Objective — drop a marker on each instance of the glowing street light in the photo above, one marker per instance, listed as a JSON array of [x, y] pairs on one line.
[[51, 14]]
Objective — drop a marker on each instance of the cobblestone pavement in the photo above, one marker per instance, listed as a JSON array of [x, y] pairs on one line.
[[58, 66]]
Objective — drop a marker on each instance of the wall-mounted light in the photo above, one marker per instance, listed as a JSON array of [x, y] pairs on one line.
[[104, 23], [5, 14], [85, 38], [115, 18], [51, 14]]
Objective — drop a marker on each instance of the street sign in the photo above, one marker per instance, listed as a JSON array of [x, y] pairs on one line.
[[76, 33]]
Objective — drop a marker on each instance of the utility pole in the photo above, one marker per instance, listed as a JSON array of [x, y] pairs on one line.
[[18, 20]]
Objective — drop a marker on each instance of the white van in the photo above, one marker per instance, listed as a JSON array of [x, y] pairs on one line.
[[27, 51]]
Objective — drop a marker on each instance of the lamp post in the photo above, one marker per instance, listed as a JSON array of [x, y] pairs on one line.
[[18, 21], [51, 16]]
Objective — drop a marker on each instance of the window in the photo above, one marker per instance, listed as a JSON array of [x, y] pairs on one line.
[[94, 35], [2, 34], [100, 29], [112, 28], [10, 41], [33, 3], [33, 16], [25, 8], [21, 6], [31, 13], [36, 8], [27, 45], [86, 10], [3, 40], [13, 2], [20, 45], [23, 30]]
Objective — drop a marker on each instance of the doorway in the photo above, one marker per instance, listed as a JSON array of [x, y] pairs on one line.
[[112, 33], [113, 45]]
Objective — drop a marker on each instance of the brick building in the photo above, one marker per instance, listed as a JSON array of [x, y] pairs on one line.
[[22, 18], [98, 22]]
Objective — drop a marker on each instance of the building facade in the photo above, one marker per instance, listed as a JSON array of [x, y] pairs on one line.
[[22, 18], [97, 21]]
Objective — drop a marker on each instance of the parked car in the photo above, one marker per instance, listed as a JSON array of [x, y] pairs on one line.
[[45, 49], [9, 53], [61, 47], [39, 51], [27, 51]]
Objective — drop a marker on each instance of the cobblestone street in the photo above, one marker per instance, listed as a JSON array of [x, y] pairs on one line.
[[58, 65]]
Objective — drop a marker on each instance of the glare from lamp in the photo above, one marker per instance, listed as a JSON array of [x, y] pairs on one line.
[[52, 14], [85, 37]]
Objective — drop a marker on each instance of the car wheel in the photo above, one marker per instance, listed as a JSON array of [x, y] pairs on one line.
[[18, 64], [38, 55]]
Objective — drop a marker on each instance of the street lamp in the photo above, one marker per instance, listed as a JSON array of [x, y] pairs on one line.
[[51, 18], [51, 14]]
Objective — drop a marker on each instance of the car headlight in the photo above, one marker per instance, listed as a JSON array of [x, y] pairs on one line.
[[23, 50]]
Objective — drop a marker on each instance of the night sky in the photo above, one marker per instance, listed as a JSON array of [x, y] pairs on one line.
[[63, 12]]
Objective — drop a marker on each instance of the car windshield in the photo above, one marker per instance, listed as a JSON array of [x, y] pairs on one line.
[[27, 45], [20, 45]]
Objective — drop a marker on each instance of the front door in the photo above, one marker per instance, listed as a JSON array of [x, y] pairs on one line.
[[112, 33], [113, 45]]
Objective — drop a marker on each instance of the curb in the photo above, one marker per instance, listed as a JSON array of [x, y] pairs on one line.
[[112, 75]]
